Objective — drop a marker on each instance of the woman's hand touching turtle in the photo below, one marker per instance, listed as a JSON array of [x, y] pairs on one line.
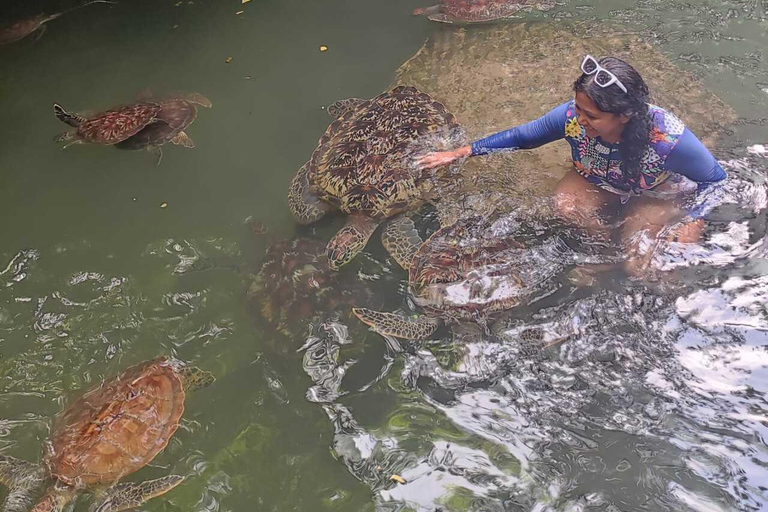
[[441, 158]]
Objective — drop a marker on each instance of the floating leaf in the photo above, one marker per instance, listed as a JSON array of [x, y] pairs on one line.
[[164, 205], [398, 479], [323, 48], [229, 59]]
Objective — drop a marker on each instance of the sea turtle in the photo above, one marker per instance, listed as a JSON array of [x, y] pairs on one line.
[[295, 283], [108, 127], [174, 116], [468, 271], [108, 433], [478, 11], [22, 28], [363, 165]]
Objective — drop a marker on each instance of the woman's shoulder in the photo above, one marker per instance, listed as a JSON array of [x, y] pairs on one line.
[[665, 121]]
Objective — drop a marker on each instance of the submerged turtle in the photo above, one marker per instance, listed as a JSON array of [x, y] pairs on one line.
[[108, 127], [108, 433], [468, 271], [363, 166], [174, 116], [295, 282], [477, 11], [36, 24]]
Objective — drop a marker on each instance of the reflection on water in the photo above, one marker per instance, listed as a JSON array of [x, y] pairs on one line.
[[616, 396]]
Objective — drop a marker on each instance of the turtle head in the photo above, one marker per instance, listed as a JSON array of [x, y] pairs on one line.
[[194, 378], [66, 117]]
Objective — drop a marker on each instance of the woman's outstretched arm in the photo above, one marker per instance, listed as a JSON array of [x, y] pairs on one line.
[[547, 128]]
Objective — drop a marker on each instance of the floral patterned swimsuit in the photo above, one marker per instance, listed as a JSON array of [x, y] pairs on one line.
[[673, 152]]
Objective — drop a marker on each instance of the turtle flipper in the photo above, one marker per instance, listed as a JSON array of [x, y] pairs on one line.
[[341, 107], [350, 240], [194, 378], [21, 478], [401, 240], [305, 206], [198, 99], [158, 152], [131, 495], [392, 324], [182, 139], [67, 117], [441, 17], [428, 11], [38, 33]]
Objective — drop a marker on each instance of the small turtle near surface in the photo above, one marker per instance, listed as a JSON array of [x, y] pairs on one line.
[[175, 115], [108, 127], [363, 166], [478, 11], [36, 24], [143, 125], [469, 271], [107, 434]]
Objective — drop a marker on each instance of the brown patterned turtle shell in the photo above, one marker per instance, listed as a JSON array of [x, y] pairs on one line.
[[119, 427], [469, 271], [114, 125], [361, 163], [296, 282], [172, 118], [468, 11], [465, 270]]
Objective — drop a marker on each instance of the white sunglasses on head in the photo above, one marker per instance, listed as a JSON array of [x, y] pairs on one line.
[[603, 77]]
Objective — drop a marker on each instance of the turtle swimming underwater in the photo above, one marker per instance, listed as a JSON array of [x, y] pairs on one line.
[[478, 11], [174, 116], [295, 283], [108, 433], [22, 28], [108, 127], [468, 271], [363, 166]]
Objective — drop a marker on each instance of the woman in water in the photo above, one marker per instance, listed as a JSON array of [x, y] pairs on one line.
[[623, 148]]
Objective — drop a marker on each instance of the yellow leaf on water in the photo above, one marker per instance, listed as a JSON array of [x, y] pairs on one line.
[[229, 59], [246, 1], [164, 205], [398, 479], [323, 48]]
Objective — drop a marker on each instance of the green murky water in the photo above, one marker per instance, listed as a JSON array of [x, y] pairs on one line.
[[657, 404]]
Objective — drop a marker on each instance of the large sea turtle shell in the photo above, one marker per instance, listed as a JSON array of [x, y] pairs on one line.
[[476, 267], [472, 269], [475, 11], [119, 427], [361, 163]]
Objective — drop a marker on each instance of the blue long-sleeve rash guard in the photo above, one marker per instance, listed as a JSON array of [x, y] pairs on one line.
[[689, 157]]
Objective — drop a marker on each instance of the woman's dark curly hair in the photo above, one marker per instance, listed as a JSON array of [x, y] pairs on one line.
[[634, 103]]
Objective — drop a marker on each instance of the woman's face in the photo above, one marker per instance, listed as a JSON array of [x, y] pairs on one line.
[[606, 125]]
